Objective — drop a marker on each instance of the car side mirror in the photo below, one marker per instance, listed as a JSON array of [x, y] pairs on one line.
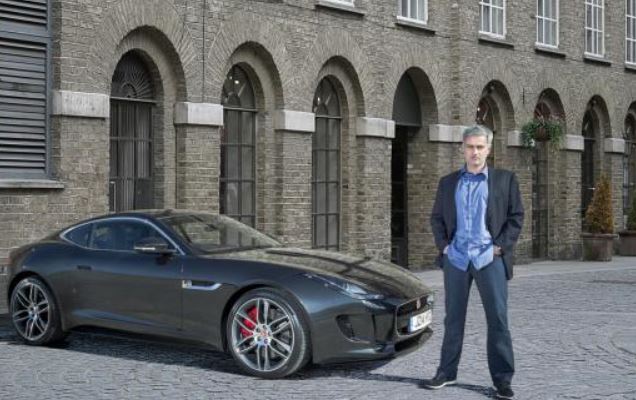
[[154, 245]]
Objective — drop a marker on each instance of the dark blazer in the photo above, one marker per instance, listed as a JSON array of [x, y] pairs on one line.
[[504, 213]]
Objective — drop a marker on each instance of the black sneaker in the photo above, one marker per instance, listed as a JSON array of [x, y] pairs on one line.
[[503, 391], [439, 381]]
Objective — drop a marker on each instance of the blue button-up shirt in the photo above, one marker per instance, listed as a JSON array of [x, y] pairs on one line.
[[472, 241]]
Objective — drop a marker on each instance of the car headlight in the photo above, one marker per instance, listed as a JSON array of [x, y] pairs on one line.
[[350, 289]]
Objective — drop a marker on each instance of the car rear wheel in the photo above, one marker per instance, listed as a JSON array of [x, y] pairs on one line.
[[267, 334], [34, 313]]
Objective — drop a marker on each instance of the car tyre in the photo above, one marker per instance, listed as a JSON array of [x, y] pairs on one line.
[[267, 334], [34, 313]]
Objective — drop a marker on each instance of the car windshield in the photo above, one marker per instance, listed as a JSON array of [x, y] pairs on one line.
[[209, 233]]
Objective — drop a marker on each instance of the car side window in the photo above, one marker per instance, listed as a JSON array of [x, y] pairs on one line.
[[80, 235], [121, 235]]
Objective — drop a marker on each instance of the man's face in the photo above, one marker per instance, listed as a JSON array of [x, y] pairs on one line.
[[475, 151]]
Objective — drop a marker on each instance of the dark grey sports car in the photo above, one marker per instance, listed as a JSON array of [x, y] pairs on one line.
[[210, 279]]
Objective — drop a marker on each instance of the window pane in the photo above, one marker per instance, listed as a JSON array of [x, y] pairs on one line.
[[553, 8], [588, 41], [540, 31], [321, 165], [321, 131], [320, 206], [540, 10], [231, 127], [588, 16], [548, 33], [334, 134], [247, 199], [484, 19], [247, 127], [413, 9], [320, 230], [404, 8], [333, 165], [499, 19], [232, 162], [333, 231], [421, 10], [231, 199], [247, 163], [333, 206]]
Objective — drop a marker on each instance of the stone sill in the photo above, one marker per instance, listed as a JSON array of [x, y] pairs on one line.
[[485, 39], [596, 60], [408, 23], [30, 184], [339, 6], [630, 67], [549, 51]]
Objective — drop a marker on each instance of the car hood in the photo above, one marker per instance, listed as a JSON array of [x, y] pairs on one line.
[[377, 276]]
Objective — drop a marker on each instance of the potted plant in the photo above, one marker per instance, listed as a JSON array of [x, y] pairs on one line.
[[542, 130], [627, 242], [598, 236]]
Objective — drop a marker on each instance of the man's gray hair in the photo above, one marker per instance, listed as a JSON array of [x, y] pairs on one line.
[[478, 130]]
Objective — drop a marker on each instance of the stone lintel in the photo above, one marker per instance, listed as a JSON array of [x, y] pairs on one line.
[[375, 127], [296, 121], [446, 133], [207, 114], [614, 145], [80, 104]]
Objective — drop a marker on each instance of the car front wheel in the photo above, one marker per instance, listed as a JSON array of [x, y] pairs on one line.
[[34, 313], [267, 334]]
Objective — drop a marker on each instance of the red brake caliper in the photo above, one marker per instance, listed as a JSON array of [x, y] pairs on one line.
[[252, 313]]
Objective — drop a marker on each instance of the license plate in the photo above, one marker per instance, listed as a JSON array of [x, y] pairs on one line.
[[420, 321]]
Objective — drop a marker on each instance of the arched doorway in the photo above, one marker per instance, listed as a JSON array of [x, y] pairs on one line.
[[629, 163], [548, 107], [540, 189], [325, 177], [588, 160], [237, 194], [408, 120], [132, 101]]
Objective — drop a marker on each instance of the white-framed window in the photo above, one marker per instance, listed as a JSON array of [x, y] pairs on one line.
[[548, 23], [492, 16], [630, 31], [415, 10], [594, 27]]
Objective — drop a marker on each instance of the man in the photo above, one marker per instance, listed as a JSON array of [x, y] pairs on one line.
[[476, 221]]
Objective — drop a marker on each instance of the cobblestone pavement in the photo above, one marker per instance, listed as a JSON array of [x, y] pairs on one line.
[[573, 327]]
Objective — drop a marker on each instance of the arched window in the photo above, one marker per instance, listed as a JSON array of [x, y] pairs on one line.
[[325, 179], [237, 191], [131, 138], [587, 162], [629, 163]]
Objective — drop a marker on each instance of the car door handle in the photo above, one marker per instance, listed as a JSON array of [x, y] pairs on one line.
[[200, 285], [84, 267]]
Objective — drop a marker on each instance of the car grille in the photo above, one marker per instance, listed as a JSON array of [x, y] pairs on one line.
[[412, 306]]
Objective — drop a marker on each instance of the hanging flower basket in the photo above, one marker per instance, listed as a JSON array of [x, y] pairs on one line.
[[542, 130]]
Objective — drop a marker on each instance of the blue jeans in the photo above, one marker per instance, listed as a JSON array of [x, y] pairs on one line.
[[493, 289]]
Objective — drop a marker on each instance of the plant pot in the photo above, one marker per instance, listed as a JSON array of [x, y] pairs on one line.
[[541, 135], [627, 243], [598, 246]]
